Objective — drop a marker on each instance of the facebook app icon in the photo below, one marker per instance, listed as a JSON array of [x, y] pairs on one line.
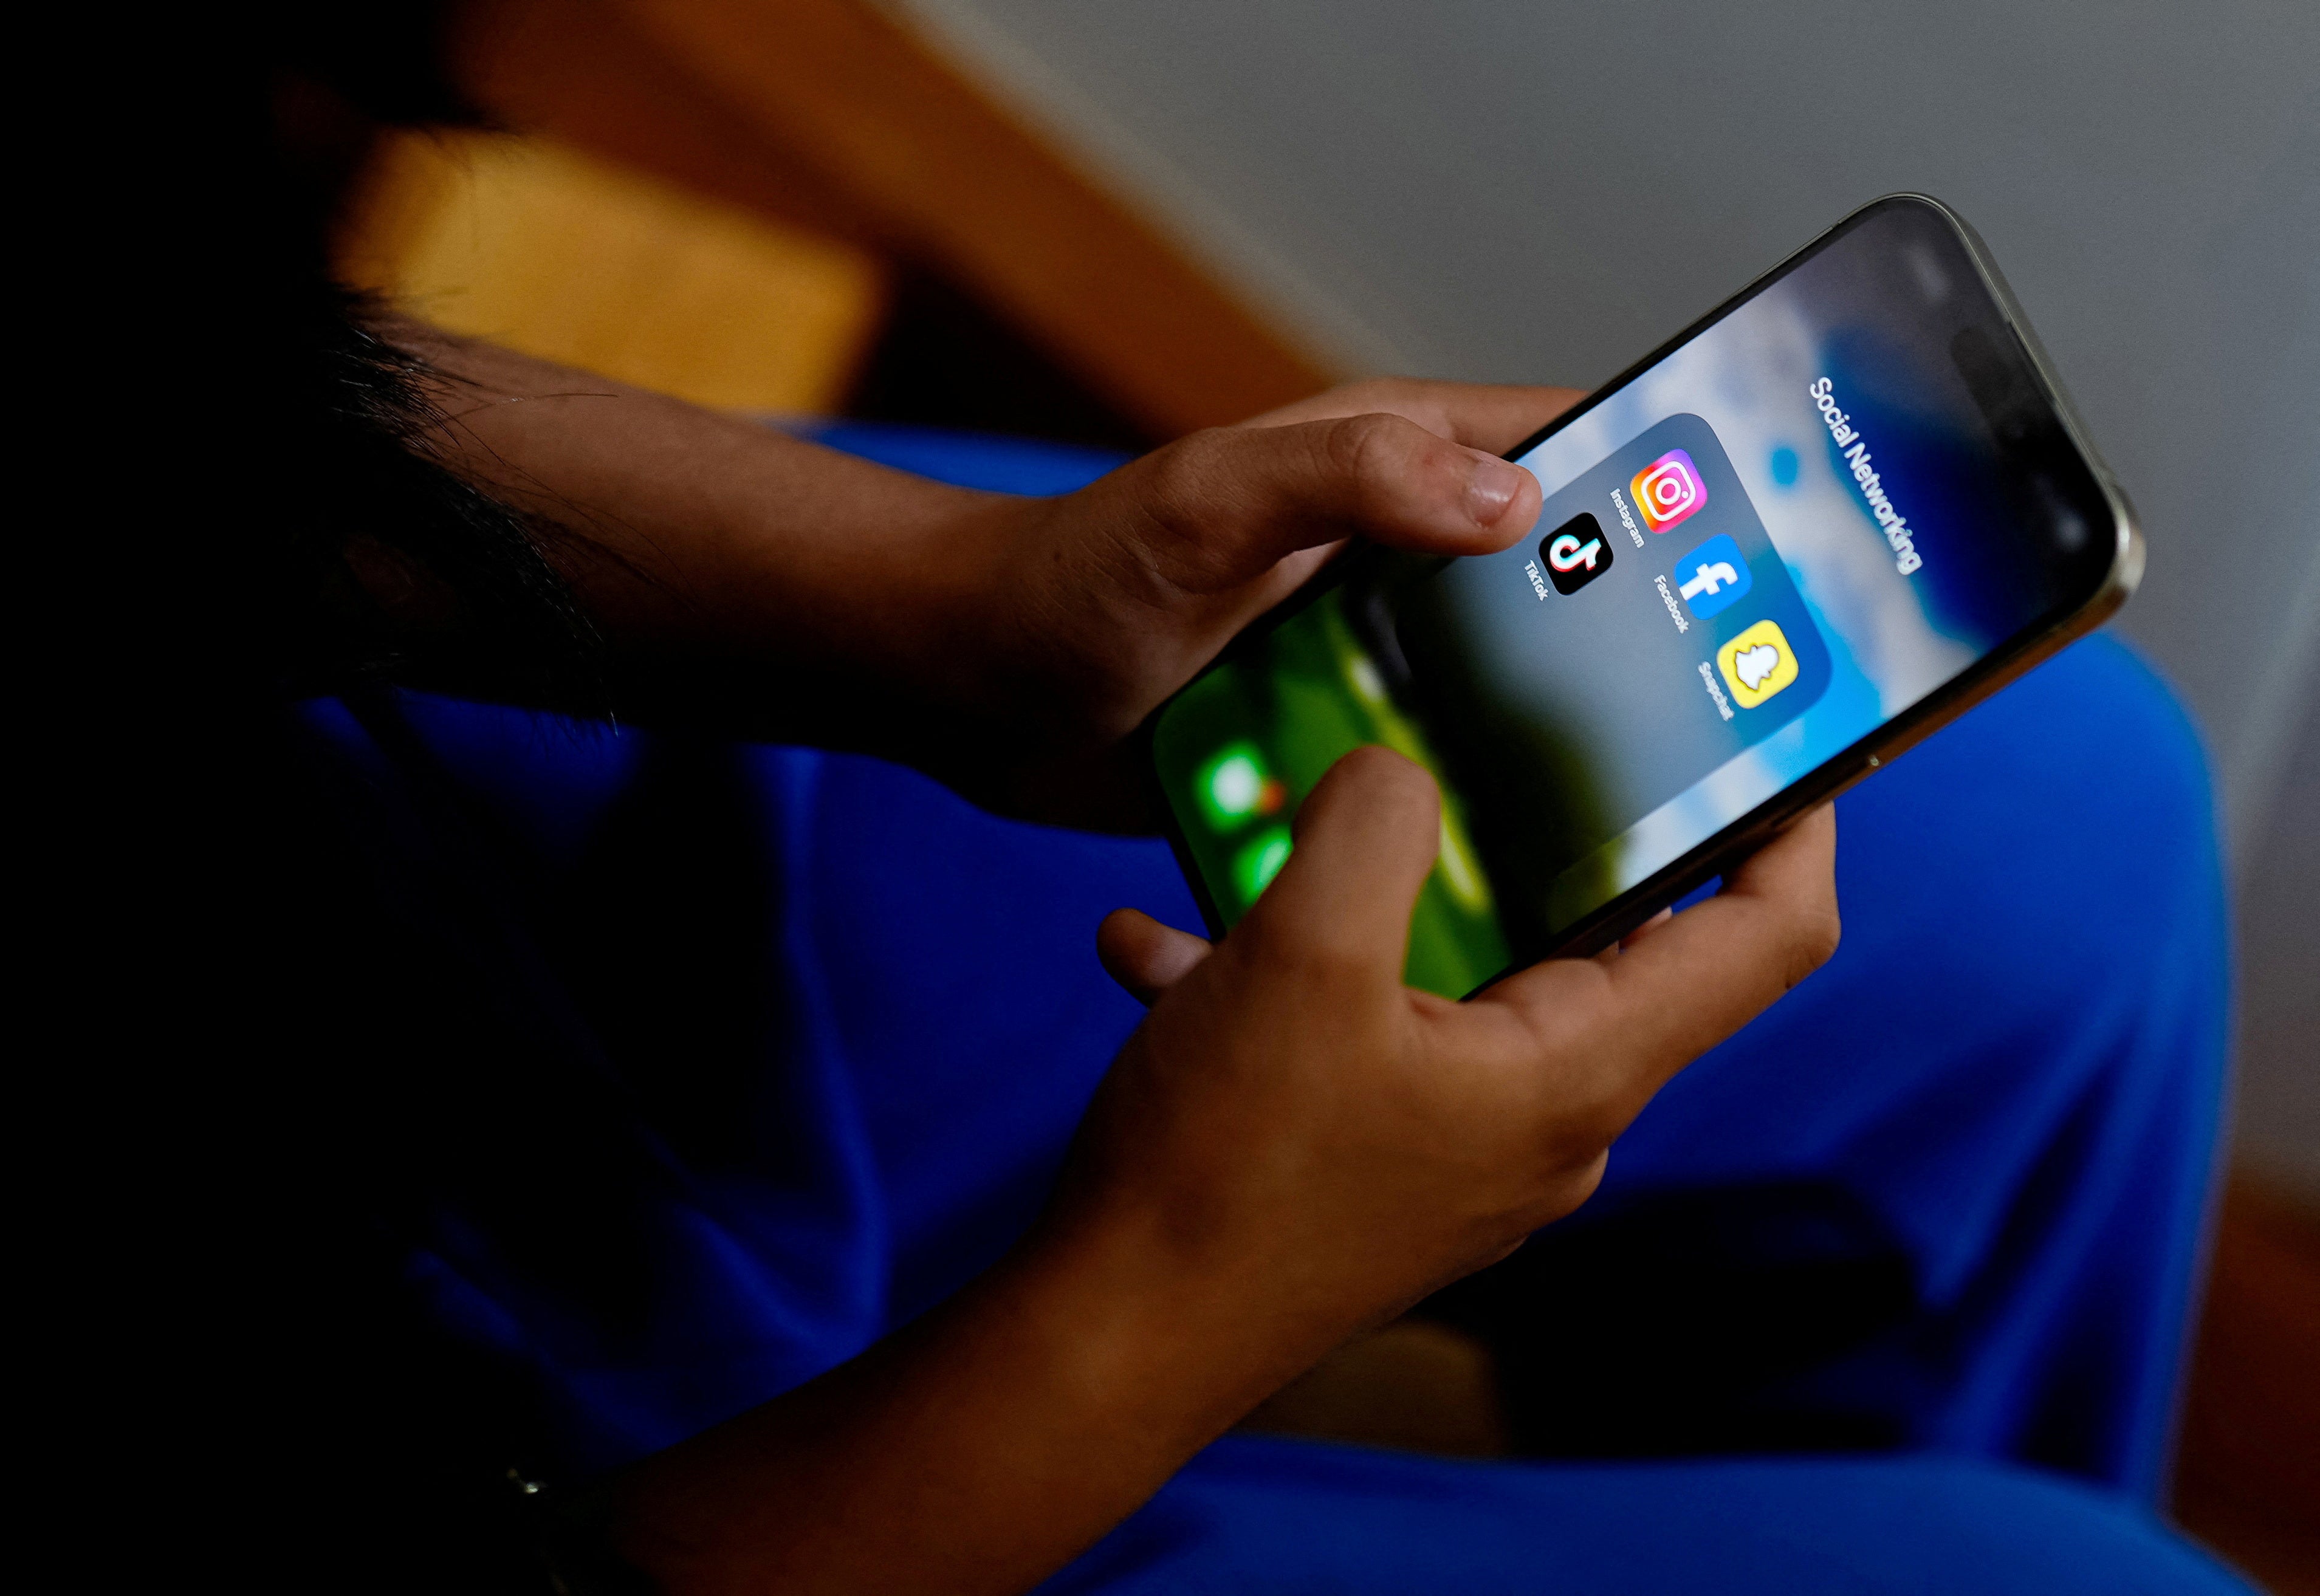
[[1713, 577]]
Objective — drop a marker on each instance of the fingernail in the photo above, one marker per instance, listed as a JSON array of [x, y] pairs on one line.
[[1491, 487]]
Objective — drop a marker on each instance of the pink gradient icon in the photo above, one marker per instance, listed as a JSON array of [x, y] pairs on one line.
[[1668, 490]]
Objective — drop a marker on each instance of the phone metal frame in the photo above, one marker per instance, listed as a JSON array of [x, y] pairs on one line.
[[2039, 641]]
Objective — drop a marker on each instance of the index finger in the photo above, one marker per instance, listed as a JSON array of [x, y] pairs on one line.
[[1481, 415], [1366, 839]]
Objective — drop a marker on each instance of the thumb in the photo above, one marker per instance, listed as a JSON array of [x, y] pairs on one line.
[[1221, 508], [1146, 957], [1365, 838]]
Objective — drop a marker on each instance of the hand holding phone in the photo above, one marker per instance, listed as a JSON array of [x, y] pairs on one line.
[[1302, 1144], [1815, 525], [1076, 617]]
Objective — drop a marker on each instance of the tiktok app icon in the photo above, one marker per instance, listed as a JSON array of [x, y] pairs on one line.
[[1576, 553]]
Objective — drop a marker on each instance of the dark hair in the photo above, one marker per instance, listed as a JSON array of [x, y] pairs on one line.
[[233, 925], [357, 432]]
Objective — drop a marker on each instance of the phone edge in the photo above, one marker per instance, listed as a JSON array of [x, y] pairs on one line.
[[2024, 651], [1824, 783]]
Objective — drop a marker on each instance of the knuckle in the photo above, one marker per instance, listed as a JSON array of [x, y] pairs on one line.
[[1588, 1125], [1575, 1185], [1180, 493], [1588, 1102], [1179, 476], [1361, 449], [1813, 941]]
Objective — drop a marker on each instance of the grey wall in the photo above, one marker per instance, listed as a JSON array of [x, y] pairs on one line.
[[2279, 956], [1489, 189]]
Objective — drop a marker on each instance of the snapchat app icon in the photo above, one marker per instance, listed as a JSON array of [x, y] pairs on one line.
[[1757, 664]]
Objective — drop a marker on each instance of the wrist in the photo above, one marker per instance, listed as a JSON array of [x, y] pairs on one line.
[[1158, 1340], [978, 1448]]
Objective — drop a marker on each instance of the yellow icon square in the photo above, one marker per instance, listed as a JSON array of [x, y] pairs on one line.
[[1757, 664]]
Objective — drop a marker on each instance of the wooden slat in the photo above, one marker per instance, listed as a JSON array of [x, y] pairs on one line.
[[580, 72], [884, 136], [541, 247], [2247, 1478]]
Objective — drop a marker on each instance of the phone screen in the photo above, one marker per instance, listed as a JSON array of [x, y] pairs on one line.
[[1841, 493]]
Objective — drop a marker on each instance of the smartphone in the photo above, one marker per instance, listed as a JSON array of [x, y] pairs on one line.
[[1812, 527]]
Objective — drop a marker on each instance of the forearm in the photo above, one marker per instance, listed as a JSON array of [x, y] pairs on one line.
[[738, 575], [1008, 645], [978, 1450]]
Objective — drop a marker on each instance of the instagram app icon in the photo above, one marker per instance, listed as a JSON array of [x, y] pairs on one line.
[[1668, 490]]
